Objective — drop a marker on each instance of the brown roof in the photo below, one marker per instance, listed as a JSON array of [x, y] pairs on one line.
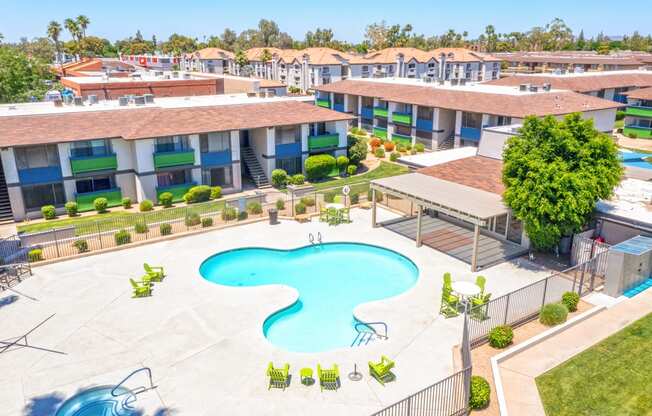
[[476, 172], [512, 105], [570, 58], [213, 53], [270, 83], [388, 56], [580, 83], [463, 55], [150, 122], [642, 94], [316, 56], [255, 54]]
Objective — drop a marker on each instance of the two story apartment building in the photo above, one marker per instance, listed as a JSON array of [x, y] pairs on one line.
[[211, 60], [638, 114], [52, 154], [572, 61]]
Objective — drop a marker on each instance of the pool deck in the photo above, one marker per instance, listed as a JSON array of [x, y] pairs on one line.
[[204, 342]]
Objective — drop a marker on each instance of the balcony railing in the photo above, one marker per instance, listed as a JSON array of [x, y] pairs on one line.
[[323, 102], [470, 133], [639, 111], [402, 118], [177, 191], [401, 138], [380, 112], [323, 141], [638, 131], [339, 107], [85, 200], [367, 112], [424, 125], [288, 149], [174, 158], [81, 164], [43, 174], [222, 157], [380, 132]]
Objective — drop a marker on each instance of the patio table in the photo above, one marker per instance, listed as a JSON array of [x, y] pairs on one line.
[[335, 205], [466, 289]]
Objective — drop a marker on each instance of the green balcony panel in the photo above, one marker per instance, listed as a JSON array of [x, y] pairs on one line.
[[323, 103], [641, 132], [403, 118], [380, 132], [167, 159], [323, 141], [380, 112], [177, 191], [93, 163], [639, 112], [399, 138], [85, 201]]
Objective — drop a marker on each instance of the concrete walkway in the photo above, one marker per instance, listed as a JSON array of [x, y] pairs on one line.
[[519, 371]]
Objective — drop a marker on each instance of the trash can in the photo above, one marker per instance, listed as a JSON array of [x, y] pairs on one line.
[[273, 216]]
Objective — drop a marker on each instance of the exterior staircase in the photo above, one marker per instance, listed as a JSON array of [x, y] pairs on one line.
[[446, 144], [253, 168], [6, 216]]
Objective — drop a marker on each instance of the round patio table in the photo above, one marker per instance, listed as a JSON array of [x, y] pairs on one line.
[[466, 289], [335, 205]]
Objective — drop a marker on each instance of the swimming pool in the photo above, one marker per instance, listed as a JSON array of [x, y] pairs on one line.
[[332, 279], [97, 401], [635, 159]]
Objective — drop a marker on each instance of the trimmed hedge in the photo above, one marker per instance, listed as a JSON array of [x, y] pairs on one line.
[[35, 255], [192, 219], [141, 228], [419, 147], [379, 152], [319, 166], [165, 229], [71, 208], [126, 202], [394, 156], [255, 208], [206, 222], [81, 245], [280, 204], [229, 214], [570, 300], [342, 162], [242, 215], [308, 201], [166, 199], [298, 179], [389, 146], [279, 178], [351, 170], [146, 205], [480, 393], [49, 212], [553, 314], [329, 196], [101, 204], [122, 237], [216, 192], [501, 336], [300, 208], [199, 193]]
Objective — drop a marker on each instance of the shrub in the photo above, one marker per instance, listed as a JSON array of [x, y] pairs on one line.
[[49, 212], [300, 208], [553, 314], [141, 228], [192, 219], [357, 149], [298, 179], [126, 202], [570, 300], [206, 222], [146, 205], [358, 131], [100, 204], [419, 147], [620, 115], [71, 208], [229, 214], [330, 196], [351, 170], [375, 142], [255, 208], [35, 255], [342, 163], [81, 245], [632, 135], [279, 178], [122, 237], [308, 201], [199, 193], [408, 146], [394, 156], [280, 204], [166, 199], [242, 215], [480, 393], [216, 192], [389, 146], [355, 198], [319, 166], [413, 151], [401, 148], [501, 336], [165, 229], [379, 195], [380, 152]]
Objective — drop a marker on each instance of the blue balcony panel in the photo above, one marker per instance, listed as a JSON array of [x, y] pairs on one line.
[[288, 149], [216, 158], [424, 125], [470, 133], [338, 107], [367, 112], [40, 175]]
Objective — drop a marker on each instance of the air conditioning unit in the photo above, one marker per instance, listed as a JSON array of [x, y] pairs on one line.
[[454, 81], [79, 101], [534, 88], [139, 100], [175, 74], [462, 81], [523, 87], [547, 86], [92, 99], [123, 101], [149, 98]]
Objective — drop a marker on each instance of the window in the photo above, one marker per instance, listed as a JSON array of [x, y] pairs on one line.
[[365, 68], [325, 70], [317, 129], [173, 177], [412, 65], [38, 195], [424, 113], [86, 148], [381, 122], [402, 130], [382, 104], [215, 142], [95, 183], [473, 120], [172, 144], [601, 94], [221, 176], [503, 121], [403, 108], [338, 98], [424, 135], [36, 156], [287, 135], [290, 165], [367, 102]]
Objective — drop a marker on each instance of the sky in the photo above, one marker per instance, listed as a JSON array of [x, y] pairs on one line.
[[118, 19]]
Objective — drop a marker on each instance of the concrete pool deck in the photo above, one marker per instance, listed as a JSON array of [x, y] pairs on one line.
[[204, 342]]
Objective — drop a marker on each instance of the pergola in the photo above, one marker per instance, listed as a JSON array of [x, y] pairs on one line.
[[470, 205]]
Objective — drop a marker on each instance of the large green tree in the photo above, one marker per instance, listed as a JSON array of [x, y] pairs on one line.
[[21, 77], [555, 172]]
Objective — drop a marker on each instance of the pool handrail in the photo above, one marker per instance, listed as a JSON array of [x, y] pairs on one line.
[[361, 333], [133, 393]]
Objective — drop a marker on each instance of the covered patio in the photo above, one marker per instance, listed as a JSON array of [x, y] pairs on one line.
[[451, 218]]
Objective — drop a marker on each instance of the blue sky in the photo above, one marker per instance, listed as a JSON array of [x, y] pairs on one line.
[[117, 19]]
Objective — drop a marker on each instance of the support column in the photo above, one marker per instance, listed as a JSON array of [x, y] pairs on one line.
[[373, 208], [474, 255], [419, 215]]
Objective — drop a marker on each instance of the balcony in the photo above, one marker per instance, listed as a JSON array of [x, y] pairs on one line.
[[380, 132], [288, 150], [639, 112], [424, 125], [401, 139], [81, 164], [222, 157], [380, 112], [45, 174], [367, 112], [402, 118], [323, 102], [85, 200], [174, 158], [339, 107], [638, 131], [177, 191], [323, 141], [470, 133]]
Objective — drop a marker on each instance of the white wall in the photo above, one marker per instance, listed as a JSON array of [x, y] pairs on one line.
[[9, 165], [143, 151], [492, 144], [125, 154], [64, 160], [127, 184], [603, 120]]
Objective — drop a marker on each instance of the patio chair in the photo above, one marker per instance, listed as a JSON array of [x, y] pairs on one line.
[[328, 378], [481, 281], [449, 302], [346, 214], [333, 216], [323, 214], [382, 371], [339, 199], [156, 272], [141, 290], [278, 377]]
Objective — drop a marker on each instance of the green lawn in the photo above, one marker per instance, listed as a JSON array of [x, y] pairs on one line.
[[612, 378], [384, 170]]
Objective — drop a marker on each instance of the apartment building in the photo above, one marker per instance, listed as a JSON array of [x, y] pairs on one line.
[[57, 153], [610, 85], [573, 61], [210, 60], [95, 67], [151, 61], [262, 68], [310, 67], [451, 115], [638, 114]]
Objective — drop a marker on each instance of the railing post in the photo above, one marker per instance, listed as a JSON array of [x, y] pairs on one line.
[[56, 242], [545, 291], [507, 308], [99, 234]]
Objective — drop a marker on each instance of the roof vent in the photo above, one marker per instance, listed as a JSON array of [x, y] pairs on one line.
[[547, 86], [79, 101], [92, 99], [534, 88], [149, 98], [123, 101], [523, 87], [139, 100]]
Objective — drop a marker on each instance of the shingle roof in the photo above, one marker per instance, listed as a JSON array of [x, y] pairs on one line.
[[580, 83], [571, 58], [463, 55], [477, 172], [317, 56], [388, 56], [255, 54], [212, 53], [512, 105], [642, 94], [143, 123]]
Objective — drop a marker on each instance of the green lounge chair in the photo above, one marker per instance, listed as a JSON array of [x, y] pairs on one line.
[[346, 214], [323, 214], [339, 199], [156, 272], [140, 289], [278, 377], [382, 371], [328, 378], [449, 302]]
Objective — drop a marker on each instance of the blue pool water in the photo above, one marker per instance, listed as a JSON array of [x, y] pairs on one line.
[[638, 289], [636, 159], [332, 279], [97, 401]]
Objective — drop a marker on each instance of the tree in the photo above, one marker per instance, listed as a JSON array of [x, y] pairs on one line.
[[92, 46], [269, 32], [21, 77], [228, 39], [555, 172], [266, 55], [40, 49], [83, 22], [242, 61], [491, 38], [54, 32], [319, 38], [73, 28], [178, 44]]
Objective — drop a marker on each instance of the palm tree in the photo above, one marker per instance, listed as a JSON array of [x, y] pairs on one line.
[[83, 22], [72, 27], [54, 31]]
